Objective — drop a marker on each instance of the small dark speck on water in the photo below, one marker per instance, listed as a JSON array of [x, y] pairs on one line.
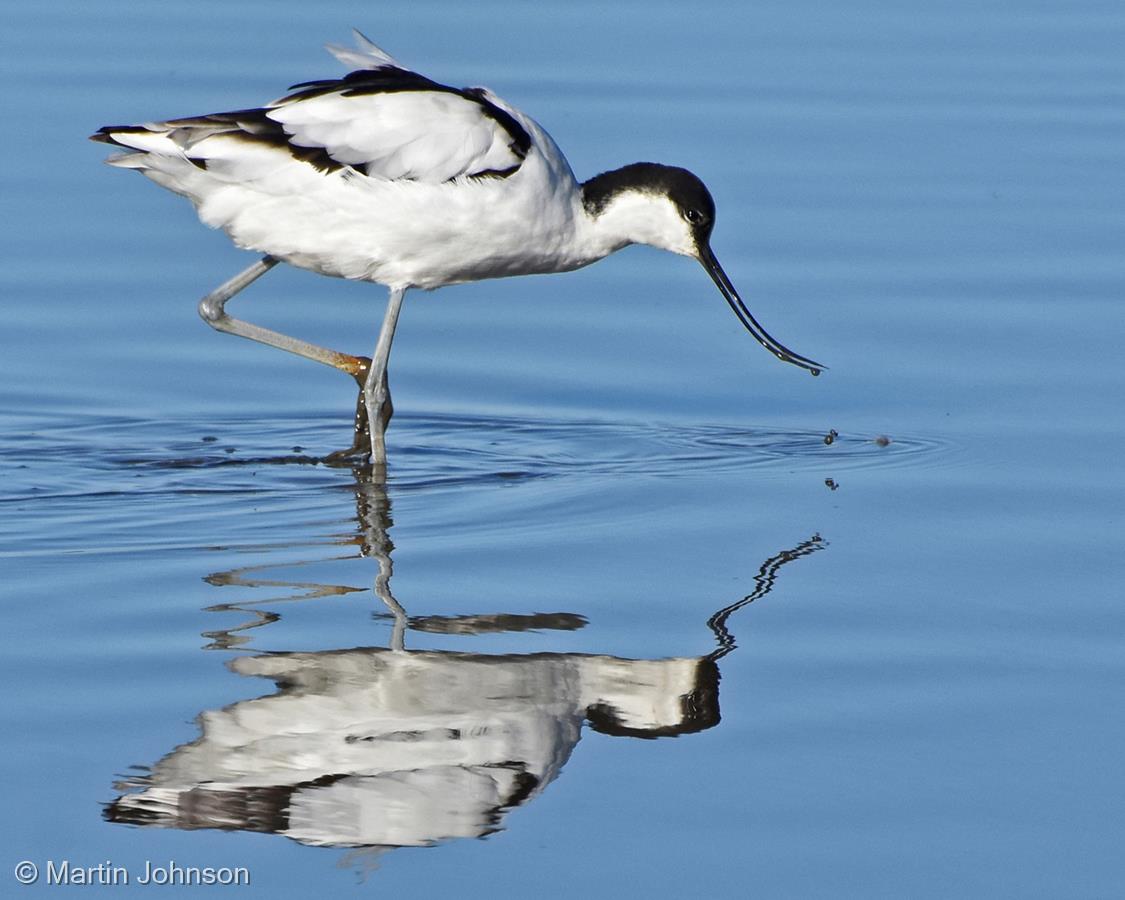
[[881, 441], [830, 483], [830, 438], [209, 438], [228, 450], [298, 449]]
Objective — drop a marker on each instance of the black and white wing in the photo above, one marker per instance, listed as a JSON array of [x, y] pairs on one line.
[[381, 120]]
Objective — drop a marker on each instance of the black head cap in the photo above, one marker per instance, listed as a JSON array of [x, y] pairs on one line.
[[680, 186]]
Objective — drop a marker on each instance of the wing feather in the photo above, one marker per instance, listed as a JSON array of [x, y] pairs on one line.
[[365, 56], [382, 121], [422, 135]]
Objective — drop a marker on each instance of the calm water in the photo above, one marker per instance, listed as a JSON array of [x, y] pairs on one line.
[[646, 632]]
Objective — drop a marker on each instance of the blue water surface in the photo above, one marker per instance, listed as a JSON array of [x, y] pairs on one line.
[[620, 621]]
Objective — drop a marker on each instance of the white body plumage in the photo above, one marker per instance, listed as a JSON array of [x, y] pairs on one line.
[[405, 208]]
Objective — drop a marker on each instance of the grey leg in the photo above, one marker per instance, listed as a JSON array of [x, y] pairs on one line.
[[212, 309], [376, 391]]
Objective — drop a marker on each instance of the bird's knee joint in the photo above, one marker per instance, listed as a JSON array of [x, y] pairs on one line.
[[211, 310]]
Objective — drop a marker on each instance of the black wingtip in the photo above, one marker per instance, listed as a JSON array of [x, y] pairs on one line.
[[105, 134]]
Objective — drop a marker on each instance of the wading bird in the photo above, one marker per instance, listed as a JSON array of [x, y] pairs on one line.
[[387, 176]]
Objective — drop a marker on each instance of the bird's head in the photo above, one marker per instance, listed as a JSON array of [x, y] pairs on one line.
[[670, 208]]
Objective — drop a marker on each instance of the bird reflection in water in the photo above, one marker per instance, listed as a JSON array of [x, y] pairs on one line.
[[378, 748]]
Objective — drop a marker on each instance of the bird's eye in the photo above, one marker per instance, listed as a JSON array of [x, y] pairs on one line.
[[694, 216]]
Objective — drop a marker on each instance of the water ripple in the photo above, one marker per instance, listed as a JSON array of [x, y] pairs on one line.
[[425, 450]]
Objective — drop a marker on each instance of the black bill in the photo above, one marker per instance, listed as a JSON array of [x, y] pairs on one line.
[[763, 337]]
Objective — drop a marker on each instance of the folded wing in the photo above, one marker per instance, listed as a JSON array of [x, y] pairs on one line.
[[381, 121]]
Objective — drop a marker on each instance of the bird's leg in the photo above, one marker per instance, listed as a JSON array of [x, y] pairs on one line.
[[212, 310], [376, 391], [361, 430]]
